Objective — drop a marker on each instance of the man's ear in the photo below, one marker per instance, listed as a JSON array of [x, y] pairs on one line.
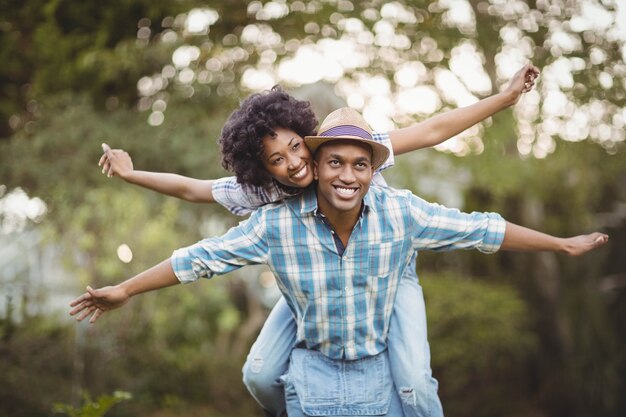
[[315, 176]]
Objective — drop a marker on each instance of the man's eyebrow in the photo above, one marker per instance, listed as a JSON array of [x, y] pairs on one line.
[[342, 158], [336, 156]]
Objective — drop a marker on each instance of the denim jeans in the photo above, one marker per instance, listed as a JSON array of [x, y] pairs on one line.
[[268, 359], [409, 354], [316, 385]]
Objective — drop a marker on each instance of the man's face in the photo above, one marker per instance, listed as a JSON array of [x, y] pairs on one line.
[[343, 169], [287, 159]]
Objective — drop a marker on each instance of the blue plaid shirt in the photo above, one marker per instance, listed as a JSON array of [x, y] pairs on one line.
[[243, 199], [342, 303]]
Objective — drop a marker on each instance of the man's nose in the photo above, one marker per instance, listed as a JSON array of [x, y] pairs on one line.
[[347, 175]]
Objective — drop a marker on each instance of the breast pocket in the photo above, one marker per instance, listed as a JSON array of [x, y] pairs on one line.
[[385, 258]]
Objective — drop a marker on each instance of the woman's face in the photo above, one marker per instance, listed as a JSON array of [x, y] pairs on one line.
[[287, 159]]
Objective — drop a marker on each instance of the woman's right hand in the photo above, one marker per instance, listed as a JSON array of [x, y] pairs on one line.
[[115, 162]]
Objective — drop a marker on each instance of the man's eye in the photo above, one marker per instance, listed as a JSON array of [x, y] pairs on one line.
[[296, 146], [333, 162]]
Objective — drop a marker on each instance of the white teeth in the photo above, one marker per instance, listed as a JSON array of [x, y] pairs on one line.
[[300, 173], [346, 191]]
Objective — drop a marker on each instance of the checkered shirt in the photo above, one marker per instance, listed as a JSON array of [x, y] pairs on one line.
[[342, 303]]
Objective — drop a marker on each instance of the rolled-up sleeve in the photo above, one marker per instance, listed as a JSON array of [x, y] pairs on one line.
[[440, 228], [384, 139], [240, 246]]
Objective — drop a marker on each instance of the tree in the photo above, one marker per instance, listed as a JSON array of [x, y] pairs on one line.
[[159, 78]]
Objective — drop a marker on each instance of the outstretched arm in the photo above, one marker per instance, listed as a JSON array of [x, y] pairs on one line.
[[95, 303], [519, 238], [441, 127], [117, 162]]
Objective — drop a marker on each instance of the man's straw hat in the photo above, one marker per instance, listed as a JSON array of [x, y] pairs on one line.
[[347, 124]]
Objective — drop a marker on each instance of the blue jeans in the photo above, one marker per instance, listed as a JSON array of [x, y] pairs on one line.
[[318, 386], [409, 354]]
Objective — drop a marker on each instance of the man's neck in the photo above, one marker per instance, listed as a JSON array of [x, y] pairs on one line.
[[342, 222]]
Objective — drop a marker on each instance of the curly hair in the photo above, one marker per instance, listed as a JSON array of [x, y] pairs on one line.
[[241, 140]]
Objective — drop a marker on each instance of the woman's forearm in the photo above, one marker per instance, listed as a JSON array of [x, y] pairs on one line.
[[190, 189], [439, 128]]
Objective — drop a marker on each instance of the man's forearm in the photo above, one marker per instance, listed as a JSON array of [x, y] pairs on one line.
[[159, 276], [523, 239], [519, 238]]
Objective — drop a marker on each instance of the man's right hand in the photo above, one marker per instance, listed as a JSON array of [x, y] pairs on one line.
[[115, 162], [94, 303]]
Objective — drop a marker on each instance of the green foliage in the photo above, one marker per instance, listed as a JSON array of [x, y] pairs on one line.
[[480, 337], [61, 45], [35, 365], [93, 408], [68, 82]]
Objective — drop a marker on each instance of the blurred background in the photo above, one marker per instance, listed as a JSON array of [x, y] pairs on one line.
[[511, 334]]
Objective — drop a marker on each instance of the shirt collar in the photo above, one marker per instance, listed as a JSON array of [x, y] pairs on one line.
[[308, 201]]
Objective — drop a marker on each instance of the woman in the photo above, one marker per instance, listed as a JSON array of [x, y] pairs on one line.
[[262, 143]]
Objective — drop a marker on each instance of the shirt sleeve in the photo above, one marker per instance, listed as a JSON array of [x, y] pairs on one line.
[[383, 138], [440, 228], [240, 246], [243, 199], [229, 193]]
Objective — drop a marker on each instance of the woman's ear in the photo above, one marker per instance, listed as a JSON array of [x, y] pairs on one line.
[[315, 176]]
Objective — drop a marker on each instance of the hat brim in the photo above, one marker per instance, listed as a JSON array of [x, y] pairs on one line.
[[380, 153]]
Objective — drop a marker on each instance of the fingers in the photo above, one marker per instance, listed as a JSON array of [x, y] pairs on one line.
[[95, 316], [87, 305], [93, 293], [530, 75], [599, 239], [82, 306], [92, 311], [106, 149], [107, 159], [80, 299], [86, 313]]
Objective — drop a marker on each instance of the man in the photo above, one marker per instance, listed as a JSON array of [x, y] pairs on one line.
[[271, 163], [338, 251]]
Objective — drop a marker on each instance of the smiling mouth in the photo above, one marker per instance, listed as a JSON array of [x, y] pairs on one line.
[[347, 191], [301, 173]]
